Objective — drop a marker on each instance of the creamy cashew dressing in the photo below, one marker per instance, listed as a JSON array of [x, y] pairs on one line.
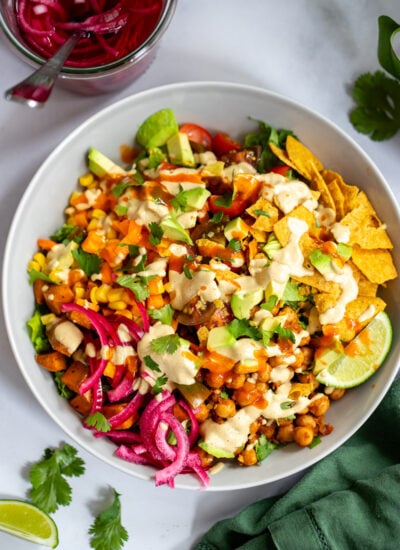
[[349, 292], [340, 232], [180, 367], [201, 284]]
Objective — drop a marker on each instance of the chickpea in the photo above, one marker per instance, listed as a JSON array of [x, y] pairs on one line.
[[319, 406], [202, 412], [336, 394], [306, 420], [235, 381], [303, 435], [214, 379], [206, 459], [264, 373], [225, 408], [285, 434], [268, 430], [248, 457], [308, 355], [308, 378]]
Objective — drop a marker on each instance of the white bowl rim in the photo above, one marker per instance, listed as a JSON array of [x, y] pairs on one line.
[[182, 482]]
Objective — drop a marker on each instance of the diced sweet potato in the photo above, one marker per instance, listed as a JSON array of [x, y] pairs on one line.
[[81, 403], [56, 295], [53, 361], [74, 375], [38, 290], [112, 410]]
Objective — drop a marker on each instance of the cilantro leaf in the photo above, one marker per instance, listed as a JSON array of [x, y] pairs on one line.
[[263, 448], [224, 200], [387, 57], [107, 529], [149, 362], [35, 274], [187, 272], [259, 212], [99, 421], [165, 314], [159, 384], [263, 137], [285, 333], [378, 106], [49, 487], [89, 263], [242, 327], [234, 245], [165, 344], [68, 232], [270, 303], [156, 233], [63, 389], [136, 284]]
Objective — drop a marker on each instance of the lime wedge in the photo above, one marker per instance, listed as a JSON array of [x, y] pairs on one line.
[[26, 521], [157, 129], [362, 357]]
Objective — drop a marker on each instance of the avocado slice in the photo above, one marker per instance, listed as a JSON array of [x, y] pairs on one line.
[[173, 230], [179, 150], [243, 302], [194, 199], [157, 129], [220, 337], [101, 165], [218, 453], [236, 229], [321, 261]]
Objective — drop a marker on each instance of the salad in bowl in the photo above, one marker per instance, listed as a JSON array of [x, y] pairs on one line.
[[209, 298]]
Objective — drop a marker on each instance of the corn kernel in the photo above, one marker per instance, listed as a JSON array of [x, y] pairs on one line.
[[47, 319], [102, 293], [98, 213], [40, 258], [34, 265], [125, 313], [80, 292], [117, 305], [115, 294], [86, 179], [93, 224], [111, 234]]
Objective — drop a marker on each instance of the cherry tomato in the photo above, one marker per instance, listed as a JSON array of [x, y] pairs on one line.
[[197, 134], [223, 144], [234, 209], [281, 169]]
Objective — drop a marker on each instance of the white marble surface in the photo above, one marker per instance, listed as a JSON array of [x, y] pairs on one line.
[[309, 50]]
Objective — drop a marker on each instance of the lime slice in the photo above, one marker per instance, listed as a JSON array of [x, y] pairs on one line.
[[26, 521], [362, 356], [157, 129]]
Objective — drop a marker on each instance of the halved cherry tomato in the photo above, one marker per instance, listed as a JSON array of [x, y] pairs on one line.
[[197, 134], [234, 209], [281, 169], [223, 144]]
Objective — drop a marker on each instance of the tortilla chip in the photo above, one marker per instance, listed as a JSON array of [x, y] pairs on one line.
[[365, 287], [281, 228], [317, 182], [376, 264], [258, 235], [302, 158], [281, 155], [350, 192], [338, 198], [263, 222], [365, 227]]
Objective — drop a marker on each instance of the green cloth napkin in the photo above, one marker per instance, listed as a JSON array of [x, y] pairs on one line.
[[351, 499]]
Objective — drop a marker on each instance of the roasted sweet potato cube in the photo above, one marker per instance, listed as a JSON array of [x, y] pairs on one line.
[[53, 361], [81, 403], [56, 295], [38, 290], [74, 375]]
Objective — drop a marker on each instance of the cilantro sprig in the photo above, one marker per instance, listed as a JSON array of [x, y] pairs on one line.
[[377, 95], [107, 530], [50, 489]]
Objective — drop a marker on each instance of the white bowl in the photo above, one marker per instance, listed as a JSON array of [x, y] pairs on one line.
[[217, 106]]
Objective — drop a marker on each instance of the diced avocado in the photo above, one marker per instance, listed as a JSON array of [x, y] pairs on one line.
[[218, 453], [236, 229], [327, 356], [195, 198], [275, 288], [101, 165], [173, 230], [272, 323], [243, 302], [215, 168], [195, 394], [220, 337], [321, 261], [157, 129], [179, 150], [344, 250], [272, 246]]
